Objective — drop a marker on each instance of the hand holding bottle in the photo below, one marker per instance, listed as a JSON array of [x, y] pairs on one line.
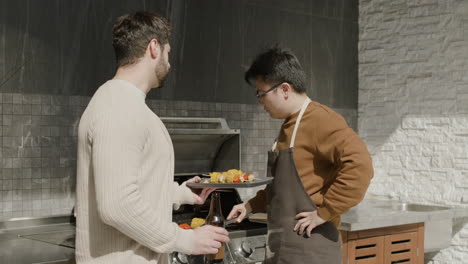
[[208, 239], [215, 218]]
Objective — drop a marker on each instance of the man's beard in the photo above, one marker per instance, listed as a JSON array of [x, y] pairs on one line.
[[162, 75], [162, 81]]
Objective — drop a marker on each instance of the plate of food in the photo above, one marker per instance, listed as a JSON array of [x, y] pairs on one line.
[[229, 179]]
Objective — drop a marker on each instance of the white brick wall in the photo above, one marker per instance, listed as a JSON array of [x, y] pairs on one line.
[[413, 105]]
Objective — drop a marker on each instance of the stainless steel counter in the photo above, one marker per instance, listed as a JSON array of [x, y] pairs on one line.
[[382, 213], [15, 249], [437, 220], [52, 240], [370, 214], [34, 240]]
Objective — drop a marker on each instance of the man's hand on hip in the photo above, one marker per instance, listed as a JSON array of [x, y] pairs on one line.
[[307, 221]]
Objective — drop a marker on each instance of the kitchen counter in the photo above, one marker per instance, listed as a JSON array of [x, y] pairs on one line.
[[26, 244], [372, 214], [52, 240], [18, 250], [383, 213]]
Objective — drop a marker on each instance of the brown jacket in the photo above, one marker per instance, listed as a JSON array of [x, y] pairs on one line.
[[332, 161]]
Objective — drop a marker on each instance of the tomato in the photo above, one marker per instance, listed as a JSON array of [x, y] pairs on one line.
[[236, 179], [184, 226], [246, 176]]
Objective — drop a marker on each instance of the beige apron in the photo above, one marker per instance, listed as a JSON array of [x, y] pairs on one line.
[[287, 198]]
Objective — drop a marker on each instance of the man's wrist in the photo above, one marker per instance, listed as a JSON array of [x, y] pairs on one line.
[[324, 213], [248, 207]]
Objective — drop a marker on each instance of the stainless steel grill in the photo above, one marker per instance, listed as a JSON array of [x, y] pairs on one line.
[[203, 145]]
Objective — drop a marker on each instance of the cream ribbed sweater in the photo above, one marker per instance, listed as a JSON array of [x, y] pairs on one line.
[[125, 188]]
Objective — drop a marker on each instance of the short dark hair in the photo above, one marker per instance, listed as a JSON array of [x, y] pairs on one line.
[[132, 33], [276, 65]]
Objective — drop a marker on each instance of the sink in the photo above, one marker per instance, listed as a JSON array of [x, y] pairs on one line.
[[410, 207], [437, 231], [374, 213]]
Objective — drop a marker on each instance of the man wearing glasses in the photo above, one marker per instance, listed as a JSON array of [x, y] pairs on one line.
[[321, 167]]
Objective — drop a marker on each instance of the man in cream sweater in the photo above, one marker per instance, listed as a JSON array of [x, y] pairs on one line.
[[125, 189]]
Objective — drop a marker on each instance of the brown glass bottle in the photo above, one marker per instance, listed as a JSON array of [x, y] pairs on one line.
[[215, 217]]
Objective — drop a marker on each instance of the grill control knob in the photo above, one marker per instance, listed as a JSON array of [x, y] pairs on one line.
[[246, 249], [180, 258]]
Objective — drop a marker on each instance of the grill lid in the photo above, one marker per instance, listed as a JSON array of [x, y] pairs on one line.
[[203, 145]]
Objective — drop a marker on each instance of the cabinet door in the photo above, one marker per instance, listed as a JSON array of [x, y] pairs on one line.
[[401, 248], [366, 250]]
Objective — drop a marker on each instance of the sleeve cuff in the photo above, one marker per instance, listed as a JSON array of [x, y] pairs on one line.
[[187, 195], [184, 196], [184, 243], [257, 203], [325, 213]]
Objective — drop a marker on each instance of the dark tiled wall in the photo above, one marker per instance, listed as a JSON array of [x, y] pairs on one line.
[[38, 150], [38, 153]]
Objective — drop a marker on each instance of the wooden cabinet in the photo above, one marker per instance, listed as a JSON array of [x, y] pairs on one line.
[[389, 245]]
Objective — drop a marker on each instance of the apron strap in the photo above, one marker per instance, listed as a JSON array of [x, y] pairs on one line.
[[274, 145], [303, 108]]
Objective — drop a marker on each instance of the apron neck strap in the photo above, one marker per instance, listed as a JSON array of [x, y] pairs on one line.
[[303, 108], [274, 146]]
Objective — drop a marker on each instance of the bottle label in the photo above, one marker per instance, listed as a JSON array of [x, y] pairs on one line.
[[220, 254]]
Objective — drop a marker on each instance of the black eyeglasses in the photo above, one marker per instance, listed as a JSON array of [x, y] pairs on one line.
[[260, 95]]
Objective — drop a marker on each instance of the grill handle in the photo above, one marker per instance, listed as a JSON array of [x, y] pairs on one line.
[[197, 120]]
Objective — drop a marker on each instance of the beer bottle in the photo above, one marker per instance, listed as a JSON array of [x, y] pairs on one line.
[[215, 217]]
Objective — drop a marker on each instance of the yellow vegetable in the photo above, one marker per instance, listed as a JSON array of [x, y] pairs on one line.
[[229, 176], [196, 222], [214, 177]]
